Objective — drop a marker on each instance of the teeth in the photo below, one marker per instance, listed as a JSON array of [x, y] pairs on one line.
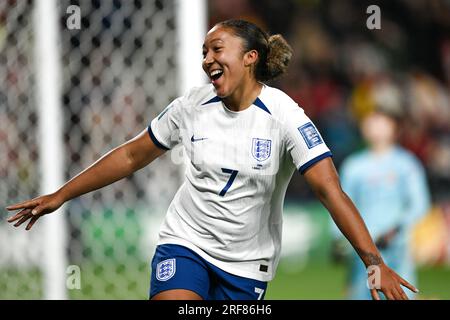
[[215, 72]]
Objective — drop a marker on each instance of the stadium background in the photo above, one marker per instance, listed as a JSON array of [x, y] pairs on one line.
[[120, 70]]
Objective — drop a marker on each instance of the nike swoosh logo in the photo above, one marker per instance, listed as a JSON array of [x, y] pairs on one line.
[[198, 139]]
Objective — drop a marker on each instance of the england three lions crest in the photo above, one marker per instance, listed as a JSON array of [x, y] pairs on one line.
[[261, 149], [165, 269]]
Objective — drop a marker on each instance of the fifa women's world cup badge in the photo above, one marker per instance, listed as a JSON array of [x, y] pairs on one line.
[[166, 269], [310, 135]]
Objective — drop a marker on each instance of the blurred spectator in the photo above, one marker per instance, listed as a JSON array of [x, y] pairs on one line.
[[236, 9], [388, 186], [433, 250]]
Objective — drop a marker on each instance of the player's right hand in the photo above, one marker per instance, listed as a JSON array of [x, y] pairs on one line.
[[34, 209]]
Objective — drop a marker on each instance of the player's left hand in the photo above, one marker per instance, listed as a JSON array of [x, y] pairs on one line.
[[391, 285]]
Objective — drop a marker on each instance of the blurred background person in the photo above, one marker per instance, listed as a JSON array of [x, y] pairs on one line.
[[388, 185]]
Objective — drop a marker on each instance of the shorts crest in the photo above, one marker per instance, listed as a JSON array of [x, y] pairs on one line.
[[165, 269]]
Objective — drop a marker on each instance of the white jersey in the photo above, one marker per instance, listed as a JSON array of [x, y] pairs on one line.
[[229, 209]]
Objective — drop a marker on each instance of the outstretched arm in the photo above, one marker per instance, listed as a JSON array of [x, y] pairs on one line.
[[324, 181], [113, 166]]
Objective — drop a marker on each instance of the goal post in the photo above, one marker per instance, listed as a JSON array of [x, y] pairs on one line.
[[191, 30], [48, 74], [69, 95]]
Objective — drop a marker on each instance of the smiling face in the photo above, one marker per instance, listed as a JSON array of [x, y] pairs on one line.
[[225, 62]]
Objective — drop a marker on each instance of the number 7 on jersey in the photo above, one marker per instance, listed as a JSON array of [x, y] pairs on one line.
[[230, 181]]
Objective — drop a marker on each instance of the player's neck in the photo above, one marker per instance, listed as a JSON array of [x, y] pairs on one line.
[[244, 96], [382, 148]]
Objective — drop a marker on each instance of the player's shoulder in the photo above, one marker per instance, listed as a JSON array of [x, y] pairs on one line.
[[404, 157], [187, 103], [280, 105], [200, 95]]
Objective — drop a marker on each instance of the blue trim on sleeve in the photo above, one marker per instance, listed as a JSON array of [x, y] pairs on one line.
[[215, 99], [307, 165], [155, 141], [165, 110], [261, 105]]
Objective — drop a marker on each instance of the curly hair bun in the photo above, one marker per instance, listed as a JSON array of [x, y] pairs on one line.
[[274, 52], [278, 57]]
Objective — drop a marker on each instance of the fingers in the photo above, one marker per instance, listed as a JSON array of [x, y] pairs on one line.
[[392, 286], [375, 295], [25, 215], [402, 294], [22, 205], [38, 210], [389, 295], [19, 215], [32, 210], [22, 220], [32, 222], [395, 293], [408, 285]]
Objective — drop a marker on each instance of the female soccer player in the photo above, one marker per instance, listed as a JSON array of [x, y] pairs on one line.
[[388, 185], [222, 233]]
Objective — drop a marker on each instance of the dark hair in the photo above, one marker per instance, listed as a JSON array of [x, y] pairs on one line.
[[274, 52]]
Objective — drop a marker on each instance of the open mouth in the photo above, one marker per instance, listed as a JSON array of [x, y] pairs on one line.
[[216, 74]]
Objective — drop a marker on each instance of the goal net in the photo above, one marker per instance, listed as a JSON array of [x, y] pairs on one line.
[[119, 70]]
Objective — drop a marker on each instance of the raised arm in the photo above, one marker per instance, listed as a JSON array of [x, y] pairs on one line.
[[113, 166], [324, 181]]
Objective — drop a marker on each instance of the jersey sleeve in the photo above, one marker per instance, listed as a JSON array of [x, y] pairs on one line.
[[164, 130], [303, 140]]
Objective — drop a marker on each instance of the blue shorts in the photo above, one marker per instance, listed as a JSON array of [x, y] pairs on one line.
[[177, 267]]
